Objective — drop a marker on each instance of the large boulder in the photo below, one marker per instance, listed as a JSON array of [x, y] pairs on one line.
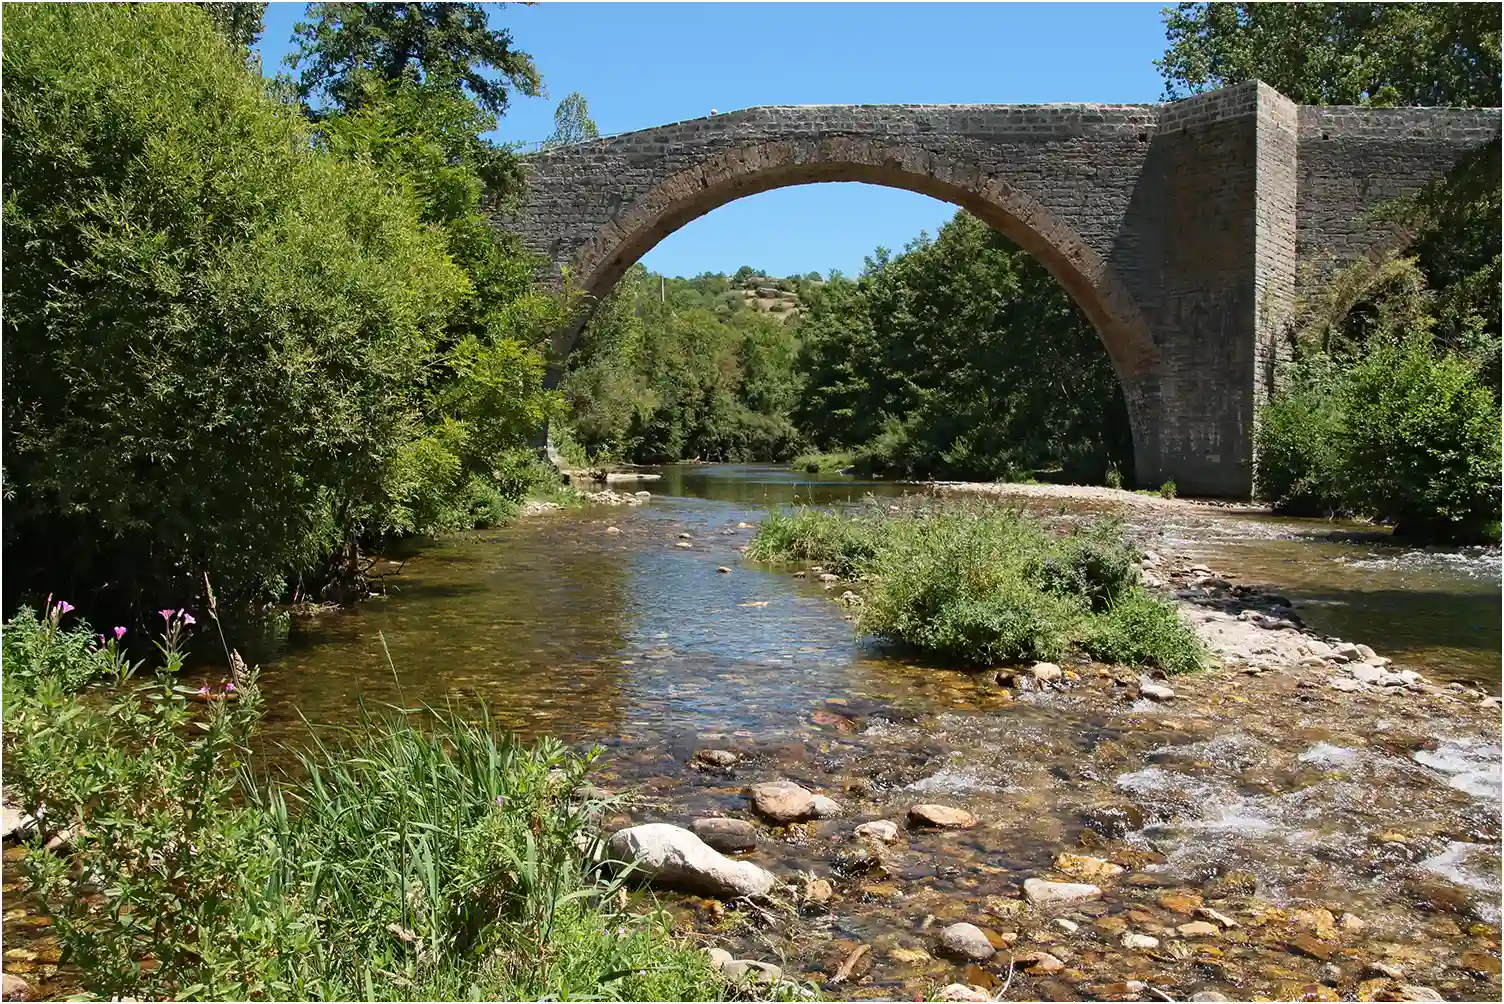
[[672, 857]]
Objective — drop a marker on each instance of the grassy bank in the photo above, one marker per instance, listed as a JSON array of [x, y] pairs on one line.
[[977, 582], [413, 856]]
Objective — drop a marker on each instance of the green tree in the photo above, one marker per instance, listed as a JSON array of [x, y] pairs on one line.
[[1338, 53], [447, 45], [241, 23], [214, 330], [959, 357], [572, 122]]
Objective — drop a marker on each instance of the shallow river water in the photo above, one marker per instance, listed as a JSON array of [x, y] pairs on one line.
[[626, 640]]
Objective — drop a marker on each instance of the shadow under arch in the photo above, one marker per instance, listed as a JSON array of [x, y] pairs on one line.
[[637, 227]]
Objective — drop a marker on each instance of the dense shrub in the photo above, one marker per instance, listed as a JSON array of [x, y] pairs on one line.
[[1419, 443], [419, 856], [982, 584], [213, 330], [1295, 443], [1138, 630], [841, 543], [1401, 433]]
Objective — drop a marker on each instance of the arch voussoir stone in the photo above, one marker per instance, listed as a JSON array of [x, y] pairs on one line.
[[1179, 229]]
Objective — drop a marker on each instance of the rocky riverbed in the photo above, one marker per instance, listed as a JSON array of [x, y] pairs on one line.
[[1306, 821]]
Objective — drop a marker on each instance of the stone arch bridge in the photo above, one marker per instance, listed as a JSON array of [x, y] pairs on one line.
[[1185, 231]]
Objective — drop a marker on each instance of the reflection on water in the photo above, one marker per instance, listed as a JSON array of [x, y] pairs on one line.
[[563, 627]]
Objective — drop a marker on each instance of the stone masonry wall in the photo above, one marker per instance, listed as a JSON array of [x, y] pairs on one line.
[[1184, 231]]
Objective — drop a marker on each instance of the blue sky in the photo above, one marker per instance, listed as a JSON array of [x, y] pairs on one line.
[[641, 65]]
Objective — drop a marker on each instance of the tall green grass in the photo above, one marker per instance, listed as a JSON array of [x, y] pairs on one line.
[[981, 583], [414, 855]]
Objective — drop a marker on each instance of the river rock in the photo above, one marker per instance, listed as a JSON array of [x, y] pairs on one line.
[[716, 758], [1410, 992], [722, 569], [1344, 685], [1156, 691], [1346, 652], [1215, 915], [787, 802], [946, 816], [751, 971], [1364, 652], [673, 857], [962, 992], [1319, 649], [643, 495], [966, 941], [15, 824], [682, 543], [14, 988], [1139, 942], [882, 830], [1198, 929], [1043, 893], [1082, 866], [1038, 963], [613, 529], [1308, 944], [818, 890], [1045, 672], [729, 835], [1386, 969], [1207, 995], [718, 957], [829, 577]]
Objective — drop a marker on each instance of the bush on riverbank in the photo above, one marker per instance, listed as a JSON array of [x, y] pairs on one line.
[[981, 583], [822, 463], [1396, 430], [236, 342], [420, 856]]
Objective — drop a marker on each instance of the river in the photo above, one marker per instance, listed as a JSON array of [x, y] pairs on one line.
[[626, 640]]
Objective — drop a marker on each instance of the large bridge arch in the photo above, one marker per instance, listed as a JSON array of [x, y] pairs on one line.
[[1183, 231]]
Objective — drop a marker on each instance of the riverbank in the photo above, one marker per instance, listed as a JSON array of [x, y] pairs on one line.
[[597, 626]]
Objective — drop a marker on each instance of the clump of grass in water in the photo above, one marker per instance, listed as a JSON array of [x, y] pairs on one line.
[[978, 582], [822, 463]]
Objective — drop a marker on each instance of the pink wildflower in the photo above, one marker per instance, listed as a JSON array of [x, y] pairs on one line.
[[119, 633], [63, 606], [187, 618], [166, 614]]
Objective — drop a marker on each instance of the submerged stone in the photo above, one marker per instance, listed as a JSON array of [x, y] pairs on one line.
[[967, 941], [730, 835], [1043, 893], [946, 816], [883, 830]]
